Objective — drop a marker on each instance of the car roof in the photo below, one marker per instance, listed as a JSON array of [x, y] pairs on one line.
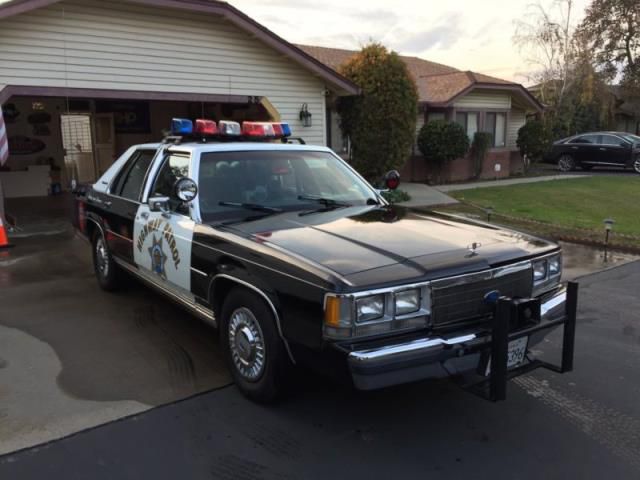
[[235, 147]]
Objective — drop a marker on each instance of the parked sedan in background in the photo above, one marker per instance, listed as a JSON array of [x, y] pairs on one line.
[[588, 150]]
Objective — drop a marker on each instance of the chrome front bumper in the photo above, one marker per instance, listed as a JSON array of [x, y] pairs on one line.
[[438, 357]]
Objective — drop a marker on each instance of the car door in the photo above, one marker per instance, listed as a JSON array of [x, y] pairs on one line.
[[162, 249], [614, 150], [122, 203], [583, 148]]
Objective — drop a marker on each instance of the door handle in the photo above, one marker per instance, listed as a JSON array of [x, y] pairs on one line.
[[108, 203], [574, 148], [602, 149]]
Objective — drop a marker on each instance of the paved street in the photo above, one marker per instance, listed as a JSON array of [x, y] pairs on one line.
[[96, 358]]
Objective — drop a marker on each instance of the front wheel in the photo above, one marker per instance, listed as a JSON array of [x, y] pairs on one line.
[[566, 163], [636, 164], [105, 268], [251, 344]]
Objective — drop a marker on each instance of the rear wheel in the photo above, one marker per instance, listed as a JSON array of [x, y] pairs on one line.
[[107, 272], [252, 346], [566, 163], [636, 164]]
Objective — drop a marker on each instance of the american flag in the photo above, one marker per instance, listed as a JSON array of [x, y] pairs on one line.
[[4, 143]]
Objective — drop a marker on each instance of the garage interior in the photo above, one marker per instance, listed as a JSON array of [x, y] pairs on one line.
[[54, 141]]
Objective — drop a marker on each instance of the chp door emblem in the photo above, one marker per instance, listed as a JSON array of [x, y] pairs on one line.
[[158, 258]]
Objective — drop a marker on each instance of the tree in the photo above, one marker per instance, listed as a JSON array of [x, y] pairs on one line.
[[546, 40], [612, 28], [381, 121], [533, 140], [441, 141]]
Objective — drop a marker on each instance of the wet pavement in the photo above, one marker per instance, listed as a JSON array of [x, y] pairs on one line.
[[93, 356], [583, 424]]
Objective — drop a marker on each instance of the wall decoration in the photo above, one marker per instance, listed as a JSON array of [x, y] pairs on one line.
[[10, 113], [21, 145], [129, 116]]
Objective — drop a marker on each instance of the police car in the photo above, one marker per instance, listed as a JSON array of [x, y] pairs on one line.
[[299, 261]]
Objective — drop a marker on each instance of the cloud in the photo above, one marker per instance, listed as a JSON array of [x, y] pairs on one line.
[[444, 35]]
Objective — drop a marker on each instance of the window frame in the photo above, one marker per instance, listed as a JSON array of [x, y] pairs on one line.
[[149, 191], [495, 123], [124, 172]]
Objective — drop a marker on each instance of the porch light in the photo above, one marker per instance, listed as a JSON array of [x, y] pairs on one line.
[[305, 115]]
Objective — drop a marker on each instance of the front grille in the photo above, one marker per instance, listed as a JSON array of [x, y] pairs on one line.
[[461, 300]]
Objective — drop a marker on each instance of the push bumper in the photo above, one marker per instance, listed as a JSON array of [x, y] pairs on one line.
[[437, 357]]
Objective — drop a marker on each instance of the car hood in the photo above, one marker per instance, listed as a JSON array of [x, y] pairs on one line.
[[386, 244]]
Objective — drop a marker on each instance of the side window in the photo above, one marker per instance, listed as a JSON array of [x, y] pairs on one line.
[[130, 181], [174, 168], [613, 141], [586, 139]]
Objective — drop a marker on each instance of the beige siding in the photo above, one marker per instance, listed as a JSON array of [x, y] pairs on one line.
[[516, 120], [484, 100], [113, 44]]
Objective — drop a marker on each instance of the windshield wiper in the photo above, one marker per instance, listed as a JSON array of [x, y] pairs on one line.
[[251, 206], [327, 202]]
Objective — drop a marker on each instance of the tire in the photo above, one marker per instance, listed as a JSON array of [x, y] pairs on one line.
[[636, 164], [252, 347], [566, 163], [106, 270]]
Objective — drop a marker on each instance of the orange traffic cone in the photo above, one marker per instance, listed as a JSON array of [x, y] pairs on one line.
[[4, 240]]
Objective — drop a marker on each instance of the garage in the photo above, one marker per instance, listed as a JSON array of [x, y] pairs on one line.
[[81, 81]]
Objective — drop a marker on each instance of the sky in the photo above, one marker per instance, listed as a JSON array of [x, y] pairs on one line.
[[467, 34]]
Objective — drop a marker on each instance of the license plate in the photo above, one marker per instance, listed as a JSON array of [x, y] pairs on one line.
[[515, 354]]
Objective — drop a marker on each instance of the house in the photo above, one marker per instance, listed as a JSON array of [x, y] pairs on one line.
[[478, 102], [80, 81]]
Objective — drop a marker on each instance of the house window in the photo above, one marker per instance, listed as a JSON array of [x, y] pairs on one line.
[[431, 116], [468, 121], [496, 125]]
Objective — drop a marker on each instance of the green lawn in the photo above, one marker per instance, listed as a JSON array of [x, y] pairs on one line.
[[582, 203]]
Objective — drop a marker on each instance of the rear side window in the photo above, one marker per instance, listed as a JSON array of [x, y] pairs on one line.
[[586, 139], [131, 179]]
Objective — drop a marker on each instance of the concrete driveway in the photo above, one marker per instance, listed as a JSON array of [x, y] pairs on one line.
[[580, 425]]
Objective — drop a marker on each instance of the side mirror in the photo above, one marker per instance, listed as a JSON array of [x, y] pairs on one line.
[[185, 190], [159, 204], [392, 179]]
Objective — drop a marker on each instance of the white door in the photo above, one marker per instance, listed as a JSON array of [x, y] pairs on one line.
[[162, 247], [162, 242]]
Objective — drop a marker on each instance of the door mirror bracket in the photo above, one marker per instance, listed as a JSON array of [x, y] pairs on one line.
[[160, 204]]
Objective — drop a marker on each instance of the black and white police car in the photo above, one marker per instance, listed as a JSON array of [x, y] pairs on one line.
[[298, 260]]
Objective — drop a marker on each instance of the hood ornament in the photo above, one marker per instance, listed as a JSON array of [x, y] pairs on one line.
[[472, 249]]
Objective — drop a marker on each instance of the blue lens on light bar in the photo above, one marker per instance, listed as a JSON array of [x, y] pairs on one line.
[[181, 126], [286, 129]]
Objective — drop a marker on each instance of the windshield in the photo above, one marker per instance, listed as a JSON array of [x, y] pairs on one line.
[[286, 180], [632, 138]]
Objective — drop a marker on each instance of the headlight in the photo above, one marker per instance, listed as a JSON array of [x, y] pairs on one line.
[[539, 270], [555, 266], [375, 313], [407, 301], [369, 308]]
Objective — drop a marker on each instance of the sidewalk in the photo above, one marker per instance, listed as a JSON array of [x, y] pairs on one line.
[[506, 182], [424, 195]]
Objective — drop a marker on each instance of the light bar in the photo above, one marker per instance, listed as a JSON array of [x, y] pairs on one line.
[[205, 127], [258, 129], [181, 126], [226, 127], [282, 130]]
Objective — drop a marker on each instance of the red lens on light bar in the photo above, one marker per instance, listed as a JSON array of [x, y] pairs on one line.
[[258, 129], [205, 127]]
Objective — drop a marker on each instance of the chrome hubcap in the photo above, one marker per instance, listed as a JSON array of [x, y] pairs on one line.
[[102, 257], [246, 344], [636, 165], [565, 163]]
